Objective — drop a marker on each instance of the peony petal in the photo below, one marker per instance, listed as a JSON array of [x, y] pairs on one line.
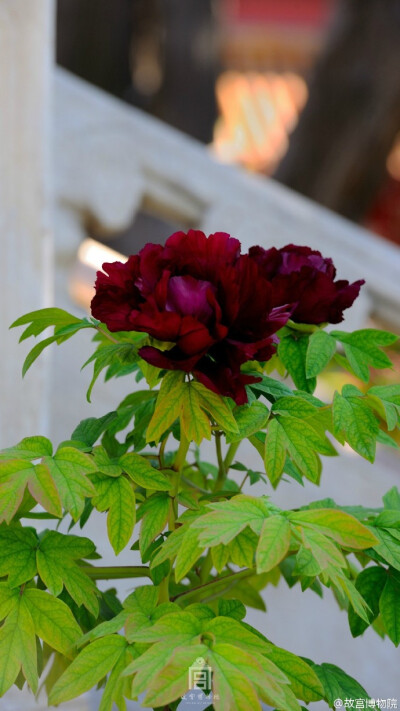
[[168, 360]]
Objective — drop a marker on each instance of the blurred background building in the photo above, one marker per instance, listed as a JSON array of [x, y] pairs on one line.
[[239, 74]]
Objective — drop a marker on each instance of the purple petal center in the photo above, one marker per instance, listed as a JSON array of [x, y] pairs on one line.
[[189, 297]]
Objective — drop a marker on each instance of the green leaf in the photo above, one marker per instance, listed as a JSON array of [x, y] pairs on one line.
[[239, 678], [387, 393], [201, 611], [116, 496], [216, 406], [143, 598], [306, 563], [15, 476], [231, 608], [56, 566], [8, 599], [292, 351], [60, 335], [389, 606], [270, 387], [275, 451], [143, 474], [172, 681], [89, 430], [353, 418], [189, 552], [147, 665], [143, 610], [323, 550], [343, 584], [391, 499], [177, 628], [297, 406], [154, 519], [194, 420], [302, 442], [91, 665], [104, 464], [388, 519], [226, 629], [369, 583], [274, 543], [68, 469], [170, 547], [53, 620], [42, 319], [387, 547], [229, 518], [168, 405], [115, 624], [220, 556], [383, 438], [249, 419], [18, 648], [243, 547], [338, 685], [363, 349], [386, 400], [340, 526], [111, 354], [65, 325], [321, 347], [28, 448], [116, 687], [303, 679], [17, 554], [231, 687]]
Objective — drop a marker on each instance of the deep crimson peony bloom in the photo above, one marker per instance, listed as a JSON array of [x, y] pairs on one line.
[[302, 276], [210, 302]]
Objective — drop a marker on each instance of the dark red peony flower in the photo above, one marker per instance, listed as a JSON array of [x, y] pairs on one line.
[[302, 276], [210, 302]]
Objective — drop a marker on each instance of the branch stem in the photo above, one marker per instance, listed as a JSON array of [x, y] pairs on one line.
[[116, 572], [216, 583]]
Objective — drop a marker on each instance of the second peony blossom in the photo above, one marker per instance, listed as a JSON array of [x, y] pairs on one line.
[[216, 307]]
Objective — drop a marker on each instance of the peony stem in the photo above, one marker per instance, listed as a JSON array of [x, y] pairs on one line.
[[161, 452], [163, 590], [230, 455], [177, 467], [107, 335], [180, 458], [206, 567], [221, 464]]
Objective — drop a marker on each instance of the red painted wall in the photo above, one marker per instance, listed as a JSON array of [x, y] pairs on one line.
[[312, 13]]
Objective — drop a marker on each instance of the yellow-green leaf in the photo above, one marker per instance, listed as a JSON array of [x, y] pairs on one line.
[[340, 526], [91, 665], [194, 421], [168, 405], [274, 543], [143, 474]]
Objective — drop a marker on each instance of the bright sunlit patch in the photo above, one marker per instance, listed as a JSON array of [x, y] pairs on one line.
[[93, 254]]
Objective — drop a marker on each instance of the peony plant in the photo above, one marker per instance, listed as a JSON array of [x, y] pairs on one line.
[[222, 346]]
